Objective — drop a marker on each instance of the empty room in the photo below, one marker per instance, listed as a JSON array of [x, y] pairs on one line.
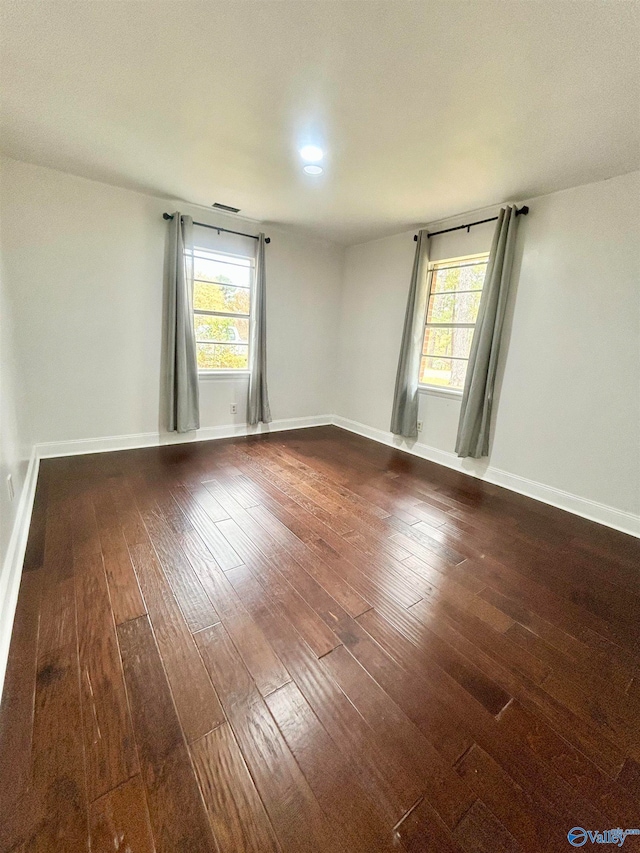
[[319, 426]]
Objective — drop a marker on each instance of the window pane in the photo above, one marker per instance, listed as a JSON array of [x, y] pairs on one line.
[[222, 257], [447, 341], [221, 297], [223, 357], [221, 329], [453, 307], [236, 273], [469, 277], [446, 372]]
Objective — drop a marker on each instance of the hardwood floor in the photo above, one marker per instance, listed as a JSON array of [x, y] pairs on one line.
[[310, 642]]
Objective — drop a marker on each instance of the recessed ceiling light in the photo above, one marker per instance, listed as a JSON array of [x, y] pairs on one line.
[[313, 170], [311, 153]]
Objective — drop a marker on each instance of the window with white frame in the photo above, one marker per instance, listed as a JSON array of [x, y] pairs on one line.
[[222, 310], [455, 288]]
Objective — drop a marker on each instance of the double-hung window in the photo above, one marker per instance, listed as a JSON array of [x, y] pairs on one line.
[[455, 288], [222, 310]]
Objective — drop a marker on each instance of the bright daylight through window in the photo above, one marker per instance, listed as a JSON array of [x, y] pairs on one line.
[[455, 288], [222, 309]]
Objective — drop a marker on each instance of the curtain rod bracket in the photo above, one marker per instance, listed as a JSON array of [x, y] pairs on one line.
[[519, 211]]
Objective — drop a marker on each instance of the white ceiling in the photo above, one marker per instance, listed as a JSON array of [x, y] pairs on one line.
[[426, 109]]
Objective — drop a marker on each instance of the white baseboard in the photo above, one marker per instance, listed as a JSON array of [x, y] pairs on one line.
[[105, 444], [11, 571], [626, 522]]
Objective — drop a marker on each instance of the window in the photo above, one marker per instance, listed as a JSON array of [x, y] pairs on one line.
[[222, 309], [455, 288]]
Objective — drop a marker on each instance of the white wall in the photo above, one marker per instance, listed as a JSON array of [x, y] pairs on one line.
[[12, 462], [15, 450], [567, 413], [13, 453], [82, 267], [84, 264]]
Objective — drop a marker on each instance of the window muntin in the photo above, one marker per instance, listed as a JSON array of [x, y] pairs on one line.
[[222, 310], [455, 289]]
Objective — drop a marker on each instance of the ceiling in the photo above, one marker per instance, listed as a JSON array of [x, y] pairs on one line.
[[425, 109]]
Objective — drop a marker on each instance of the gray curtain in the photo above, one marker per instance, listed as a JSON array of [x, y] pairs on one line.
[[404, 416], [181, 360], [258, 401], [477, 398]]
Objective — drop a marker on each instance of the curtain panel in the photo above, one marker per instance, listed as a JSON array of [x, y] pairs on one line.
[[258, 409], [182, 365], [477, 398], [404, 414]]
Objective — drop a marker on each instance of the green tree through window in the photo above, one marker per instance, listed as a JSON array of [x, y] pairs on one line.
[[455, 290], [222, 309]]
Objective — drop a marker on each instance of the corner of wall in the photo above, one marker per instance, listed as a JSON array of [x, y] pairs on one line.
[[15, 460], [13, 559]]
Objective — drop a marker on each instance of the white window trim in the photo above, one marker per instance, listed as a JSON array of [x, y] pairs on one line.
[[442, 390], [228, 372]]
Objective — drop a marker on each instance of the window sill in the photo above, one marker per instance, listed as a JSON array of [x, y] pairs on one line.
[[223, 374], [434, 391]]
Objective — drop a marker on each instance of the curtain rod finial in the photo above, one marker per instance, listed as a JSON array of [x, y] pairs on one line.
[[523, 210], [167, 216], [415, 238], [267, 239]]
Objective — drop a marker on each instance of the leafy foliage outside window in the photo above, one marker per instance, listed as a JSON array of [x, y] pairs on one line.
[[455, 290], [222, 309]]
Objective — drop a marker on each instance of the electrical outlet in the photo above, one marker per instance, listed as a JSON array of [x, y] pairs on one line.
[[234, 409], [419, 426], [10, 487]]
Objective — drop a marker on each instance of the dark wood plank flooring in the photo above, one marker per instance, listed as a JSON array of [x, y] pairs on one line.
[[310, 642]]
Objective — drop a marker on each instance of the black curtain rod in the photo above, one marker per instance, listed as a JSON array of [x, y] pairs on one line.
[[219, 229], [522, 211]]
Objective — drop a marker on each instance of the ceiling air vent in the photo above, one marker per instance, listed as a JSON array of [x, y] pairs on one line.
[[226, 207]]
